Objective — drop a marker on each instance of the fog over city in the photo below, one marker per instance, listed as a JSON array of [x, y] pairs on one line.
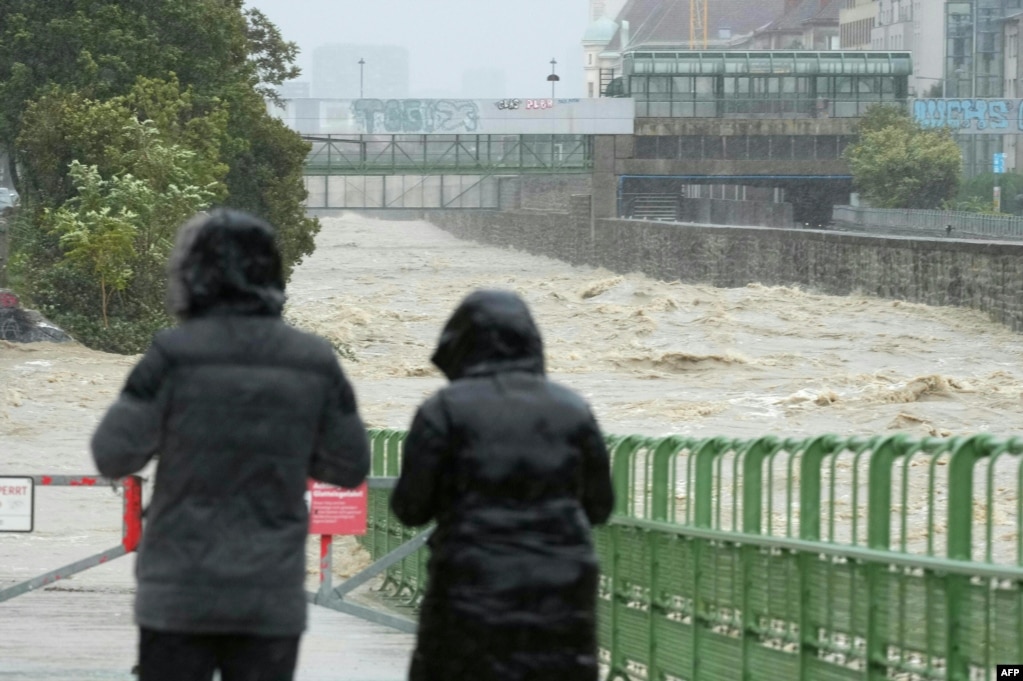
[[446, 38]]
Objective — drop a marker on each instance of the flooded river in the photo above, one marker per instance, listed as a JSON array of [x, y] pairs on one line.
[[652, 357]]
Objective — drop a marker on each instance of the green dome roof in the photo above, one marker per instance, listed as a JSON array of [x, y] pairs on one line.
[[601, 31]]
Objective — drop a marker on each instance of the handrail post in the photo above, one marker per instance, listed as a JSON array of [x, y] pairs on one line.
[[132, 533], [326, 566], [960, 545]]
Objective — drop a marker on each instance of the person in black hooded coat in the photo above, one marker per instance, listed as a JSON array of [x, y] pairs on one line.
[[514, 470], [242, 409]]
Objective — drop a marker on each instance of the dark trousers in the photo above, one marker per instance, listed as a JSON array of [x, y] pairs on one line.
[[165, 656]]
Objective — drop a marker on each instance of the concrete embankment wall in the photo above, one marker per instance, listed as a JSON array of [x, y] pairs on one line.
[[983, 275]]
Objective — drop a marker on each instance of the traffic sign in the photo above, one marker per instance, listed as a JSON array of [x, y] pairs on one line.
[[998, 163], [17, 504]]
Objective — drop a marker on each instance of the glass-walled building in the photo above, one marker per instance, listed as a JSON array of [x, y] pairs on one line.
[[763, 84], [974, 66], [974, 49]]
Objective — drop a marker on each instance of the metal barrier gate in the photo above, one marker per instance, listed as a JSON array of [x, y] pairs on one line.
[[327, 595], [131, 529], [334, 597], [821, 558]]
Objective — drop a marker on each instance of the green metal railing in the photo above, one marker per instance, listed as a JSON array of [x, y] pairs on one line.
[[823, 558]]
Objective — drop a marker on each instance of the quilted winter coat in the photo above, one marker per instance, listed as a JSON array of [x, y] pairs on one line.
[[514, 471], [242, 409]]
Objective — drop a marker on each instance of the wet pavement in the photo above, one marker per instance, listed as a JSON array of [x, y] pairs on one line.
[[81, 629]]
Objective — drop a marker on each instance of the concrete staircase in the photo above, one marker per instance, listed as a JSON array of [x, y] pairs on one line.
[[663, 207]]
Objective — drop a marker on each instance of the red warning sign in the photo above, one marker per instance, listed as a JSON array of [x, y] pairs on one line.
[[336, 510]]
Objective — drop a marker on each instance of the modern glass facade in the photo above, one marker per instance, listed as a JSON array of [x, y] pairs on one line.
[[764, 84], [974, 54], [743, 147], [974, 50]]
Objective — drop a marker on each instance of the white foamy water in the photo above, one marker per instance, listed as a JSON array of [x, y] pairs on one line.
[[652, 357], [656, 357]]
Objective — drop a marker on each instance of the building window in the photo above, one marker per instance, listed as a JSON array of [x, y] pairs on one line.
[[590, 55], [590, 87]]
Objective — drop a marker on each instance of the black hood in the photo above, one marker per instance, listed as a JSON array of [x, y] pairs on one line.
[[225, 262], [491, 331]]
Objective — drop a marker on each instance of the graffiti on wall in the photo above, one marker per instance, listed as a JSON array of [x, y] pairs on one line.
[[397, 116], [971, 116], [510, 116]]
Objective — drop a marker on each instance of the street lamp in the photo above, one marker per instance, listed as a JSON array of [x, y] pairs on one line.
[[362, 63], [553, 78]]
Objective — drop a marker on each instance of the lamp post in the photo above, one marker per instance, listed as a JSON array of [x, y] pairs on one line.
[[553, 78], [362, 63]]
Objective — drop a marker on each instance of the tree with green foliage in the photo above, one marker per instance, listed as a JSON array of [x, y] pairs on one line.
[[97, 235], [102, 252], [976, 195], [881, 116], [101, 47], [189, 76], [266, 179], [896, 163], [272, 56], [64, 126]]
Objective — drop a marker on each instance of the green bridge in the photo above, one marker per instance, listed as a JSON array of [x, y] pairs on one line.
[[447, 154], [823, 558], [392, 171]]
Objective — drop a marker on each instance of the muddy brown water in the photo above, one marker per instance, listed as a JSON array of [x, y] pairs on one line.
[[652, 357]]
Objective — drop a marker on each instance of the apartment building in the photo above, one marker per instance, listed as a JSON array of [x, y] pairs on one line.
[[856, 22]]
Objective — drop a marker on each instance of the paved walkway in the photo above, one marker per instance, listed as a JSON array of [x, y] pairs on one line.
[[81, 629]]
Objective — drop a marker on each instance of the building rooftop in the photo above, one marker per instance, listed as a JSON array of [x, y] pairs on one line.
[[768, 62], [666, 22], [805, 12]]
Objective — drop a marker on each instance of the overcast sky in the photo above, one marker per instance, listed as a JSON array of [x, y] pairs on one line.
[[444, 38]]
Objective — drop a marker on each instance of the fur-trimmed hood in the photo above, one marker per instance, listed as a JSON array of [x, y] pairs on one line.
[[225, 262]]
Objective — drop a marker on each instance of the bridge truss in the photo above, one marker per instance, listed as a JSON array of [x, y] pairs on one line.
[[447, 154], [432, 171]]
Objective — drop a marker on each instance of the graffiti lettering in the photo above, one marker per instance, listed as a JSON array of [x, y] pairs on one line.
[[452, 115], [394, 116], [416, 115], [969, 116], [539, 103], [508, 104], [413, 115]]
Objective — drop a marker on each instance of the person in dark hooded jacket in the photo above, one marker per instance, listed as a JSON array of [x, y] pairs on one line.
[[514, 471], [242, 410]]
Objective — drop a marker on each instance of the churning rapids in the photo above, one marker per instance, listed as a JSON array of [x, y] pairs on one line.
[[652, 357]]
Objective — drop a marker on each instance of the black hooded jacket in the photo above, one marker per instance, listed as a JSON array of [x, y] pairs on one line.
[[514, 471], [242, 409]]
